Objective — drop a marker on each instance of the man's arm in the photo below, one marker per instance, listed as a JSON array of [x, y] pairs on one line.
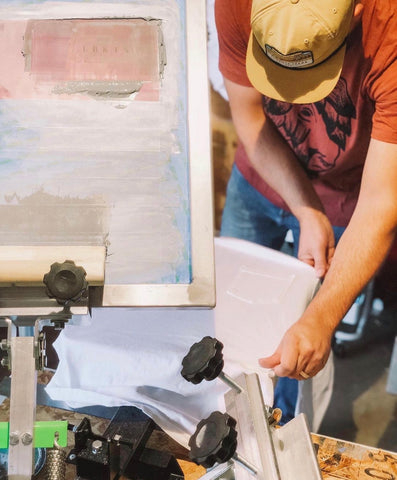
[[274, 160], [359, 254]]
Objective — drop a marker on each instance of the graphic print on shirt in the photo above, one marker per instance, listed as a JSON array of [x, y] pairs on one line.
[[316, 132]]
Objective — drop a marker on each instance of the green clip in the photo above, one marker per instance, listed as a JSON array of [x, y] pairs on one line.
[[45, 434], [4, 434]]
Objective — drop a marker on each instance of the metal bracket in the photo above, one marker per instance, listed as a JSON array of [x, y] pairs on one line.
[[6, 345], [278, 453], [44, 434], [220, 472], [391, 386], [22, 407], [26, 355]]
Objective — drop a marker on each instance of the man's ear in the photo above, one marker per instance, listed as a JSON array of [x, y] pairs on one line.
[[358, 11]]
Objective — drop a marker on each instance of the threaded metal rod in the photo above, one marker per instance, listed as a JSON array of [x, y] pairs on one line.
[[230, 382], [56, 464]]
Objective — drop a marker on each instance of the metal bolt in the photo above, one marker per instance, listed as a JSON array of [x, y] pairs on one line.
[[14, 438], [72, 456], [273, 415], [245, 463], [4, 362], [27, 438], [96, 446], [230, 382]]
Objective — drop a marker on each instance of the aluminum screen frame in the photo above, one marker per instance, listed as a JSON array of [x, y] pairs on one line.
[[200, 291]]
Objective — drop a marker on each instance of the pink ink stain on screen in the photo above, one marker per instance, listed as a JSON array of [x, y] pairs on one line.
[[104, 58]]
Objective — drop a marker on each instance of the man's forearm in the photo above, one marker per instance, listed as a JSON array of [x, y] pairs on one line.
[[353, 265], [306, 344], [366, 241], [274, 160], [277, 164]]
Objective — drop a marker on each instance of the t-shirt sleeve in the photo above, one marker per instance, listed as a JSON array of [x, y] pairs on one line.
[[380, 44], [233, 33], [384, 92]]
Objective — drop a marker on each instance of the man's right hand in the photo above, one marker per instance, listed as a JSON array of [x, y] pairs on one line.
[[316, 241], [305, 347]]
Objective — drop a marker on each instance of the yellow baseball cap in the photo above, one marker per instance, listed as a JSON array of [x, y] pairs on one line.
[[296, 47]]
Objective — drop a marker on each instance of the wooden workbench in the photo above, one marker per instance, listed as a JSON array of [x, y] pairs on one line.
[[337, 459], [349, 461]]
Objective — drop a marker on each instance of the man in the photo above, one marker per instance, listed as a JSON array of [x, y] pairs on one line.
[[312, 87]]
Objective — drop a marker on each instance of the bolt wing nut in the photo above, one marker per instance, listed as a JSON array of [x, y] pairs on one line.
[[214, 441], [66, 282], [203, 361]]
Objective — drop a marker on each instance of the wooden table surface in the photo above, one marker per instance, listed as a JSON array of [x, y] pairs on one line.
[[337, 459], [349, 461]]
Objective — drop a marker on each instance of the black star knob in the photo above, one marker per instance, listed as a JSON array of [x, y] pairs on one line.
[[214, 441], [203, 361], [66, 282]]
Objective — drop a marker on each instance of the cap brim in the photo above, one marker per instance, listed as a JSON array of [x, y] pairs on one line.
[[288, 85]]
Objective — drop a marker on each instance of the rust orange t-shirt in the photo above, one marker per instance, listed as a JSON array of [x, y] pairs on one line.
[[330, 137]]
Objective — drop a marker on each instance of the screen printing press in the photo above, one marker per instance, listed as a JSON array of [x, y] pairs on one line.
[[105, 174], [163, 458], [181, 385], [200, 408], [107, 237]]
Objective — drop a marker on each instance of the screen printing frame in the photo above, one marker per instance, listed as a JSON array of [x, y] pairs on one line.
[[200, 292]]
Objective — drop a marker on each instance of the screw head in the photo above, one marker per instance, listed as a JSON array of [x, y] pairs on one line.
[[14, 438], [27, 438], [96, 446], [5, 362]]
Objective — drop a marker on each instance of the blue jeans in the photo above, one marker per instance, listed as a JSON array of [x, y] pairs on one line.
[[250, 216]]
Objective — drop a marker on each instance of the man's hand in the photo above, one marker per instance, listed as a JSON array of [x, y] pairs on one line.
[[316, 241], [305, 348]]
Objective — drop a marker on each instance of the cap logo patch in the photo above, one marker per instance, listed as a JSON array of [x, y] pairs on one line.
[[300, 59]]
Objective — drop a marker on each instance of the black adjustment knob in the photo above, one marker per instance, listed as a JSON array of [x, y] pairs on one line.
[[66, 282], [214, 441], [203, 361]]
